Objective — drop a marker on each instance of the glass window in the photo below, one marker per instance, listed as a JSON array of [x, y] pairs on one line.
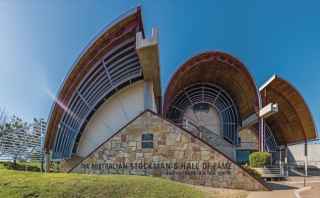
[[201, 107], [243, 156], [147, 140]]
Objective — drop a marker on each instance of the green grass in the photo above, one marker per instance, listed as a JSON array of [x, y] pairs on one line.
[[33, 184]]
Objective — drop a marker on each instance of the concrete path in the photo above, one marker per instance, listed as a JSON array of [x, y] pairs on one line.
[[273, 194], [314, 192], [294, 188]]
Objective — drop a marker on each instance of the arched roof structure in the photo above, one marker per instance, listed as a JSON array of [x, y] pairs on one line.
[[221, 69], [293, 122], [119, 56], [109, 63]]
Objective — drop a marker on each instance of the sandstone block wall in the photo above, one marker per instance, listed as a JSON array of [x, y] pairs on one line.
[[249, 139], [176, 155]]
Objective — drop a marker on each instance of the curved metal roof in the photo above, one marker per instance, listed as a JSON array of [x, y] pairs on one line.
[[221, 69], [293, 122], [109, 63]]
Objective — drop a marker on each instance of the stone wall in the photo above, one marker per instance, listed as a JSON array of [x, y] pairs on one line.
[[249, 139], [218, 142], [176, 155]]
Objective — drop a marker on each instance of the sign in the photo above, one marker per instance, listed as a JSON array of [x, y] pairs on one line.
[[167, 168]]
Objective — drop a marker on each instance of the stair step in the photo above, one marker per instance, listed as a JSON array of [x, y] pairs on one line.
[[271, 172]]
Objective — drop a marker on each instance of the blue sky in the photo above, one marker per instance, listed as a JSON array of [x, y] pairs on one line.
[[40, 40]]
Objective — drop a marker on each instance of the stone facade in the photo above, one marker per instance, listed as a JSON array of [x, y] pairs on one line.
[[217, 141], [175, 154], [249, 139]]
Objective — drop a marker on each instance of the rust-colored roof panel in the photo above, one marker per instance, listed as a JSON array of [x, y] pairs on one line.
[[293, 122]]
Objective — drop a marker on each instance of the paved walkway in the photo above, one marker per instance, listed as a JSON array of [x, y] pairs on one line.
[[313, 182], [288, 189], [273, 194], [314, 192]]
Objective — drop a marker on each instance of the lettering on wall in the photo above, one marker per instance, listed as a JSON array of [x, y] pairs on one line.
[[167, 168]]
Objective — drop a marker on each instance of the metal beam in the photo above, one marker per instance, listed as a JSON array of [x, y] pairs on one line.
[[268, 110], [189, 99], [83, 99], [264, 85], [265, 112]]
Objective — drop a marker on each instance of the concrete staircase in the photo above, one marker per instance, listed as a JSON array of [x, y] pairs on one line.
[[271, 172]]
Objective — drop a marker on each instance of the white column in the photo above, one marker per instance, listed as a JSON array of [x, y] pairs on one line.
[[148, 96]]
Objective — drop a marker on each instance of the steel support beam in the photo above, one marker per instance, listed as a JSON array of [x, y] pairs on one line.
[[305, 162], [286, 161]]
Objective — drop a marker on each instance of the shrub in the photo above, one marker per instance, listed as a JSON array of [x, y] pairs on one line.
[[20, 166], [259, 159], [54, 167]]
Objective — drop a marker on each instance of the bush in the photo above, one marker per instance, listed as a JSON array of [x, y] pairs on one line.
[[54, 167], [20, 166], [259, 159]]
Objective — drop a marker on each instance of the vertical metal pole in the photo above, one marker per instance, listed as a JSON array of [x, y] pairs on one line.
[[47, 162], [261, 135], [305, 162], [263, 102], [41, 166], [286, 161], [280, 160]]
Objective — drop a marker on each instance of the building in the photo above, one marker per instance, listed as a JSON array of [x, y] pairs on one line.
[[110, 117], [38, 130], [16, 144], [24, 142], [296, 156]]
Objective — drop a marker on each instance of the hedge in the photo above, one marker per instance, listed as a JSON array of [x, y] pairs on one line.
[[259, 159]]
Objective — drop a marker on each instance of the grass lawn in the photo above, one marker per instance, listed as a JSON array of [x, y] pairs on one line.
[[33, 184]]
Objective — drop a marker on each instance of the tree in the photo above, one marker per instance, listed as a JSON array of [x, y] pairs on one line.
[[15, 139], [3, 117]]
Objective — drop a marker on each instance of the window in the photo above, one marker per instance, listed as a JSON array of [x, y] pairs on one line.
[[243, 156], [147, 140], [201, 107]]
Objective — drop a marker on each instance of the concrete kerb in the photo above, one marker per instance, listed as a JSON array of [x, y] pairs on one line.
[[297, 192]]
